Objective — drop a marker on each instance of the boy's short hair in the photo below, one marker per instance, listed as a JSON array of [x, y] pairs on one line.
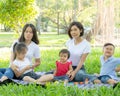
[[65, 51], [107, 44]]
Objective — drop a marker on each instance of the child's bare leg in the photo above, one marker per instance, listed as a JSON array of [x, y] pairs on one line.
[[65, 82], [45, 78], [3, 78], [111, 81], [29, 79], [97, 81]]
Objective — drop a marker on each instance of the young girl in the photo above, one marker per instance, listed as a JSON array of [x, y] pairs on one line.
[[63, 66], [24, 68]]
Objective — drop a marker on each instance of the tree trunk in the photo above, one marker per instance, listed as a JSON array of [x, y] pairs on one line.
[[104, 24]]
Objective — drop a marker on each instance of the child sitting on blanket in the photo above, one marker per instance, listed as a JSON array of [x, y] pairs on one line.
[[108, 65], [25, 71], [63, 66]]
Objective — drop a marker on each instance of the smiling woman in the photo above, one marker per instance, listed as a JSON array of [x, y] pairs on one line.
[[79, 49]]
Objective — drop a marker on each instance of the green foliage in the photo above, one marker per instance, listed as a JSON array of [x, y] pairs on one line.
[[15, 13], [48, 58], [6, 39]]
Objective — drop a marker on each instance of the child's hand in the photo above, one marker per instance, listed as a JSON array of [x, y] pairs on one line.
[[69, 73], [14, 67], [28, 67]]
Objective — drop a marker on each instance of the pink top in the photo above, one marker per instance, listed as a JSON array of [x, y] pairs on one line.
[[62, 69]]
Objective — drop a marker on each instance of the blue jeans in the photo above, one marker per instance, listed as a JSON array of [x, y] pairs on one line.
[[6, 72], [104, 78], [64, 77], [81, 75]]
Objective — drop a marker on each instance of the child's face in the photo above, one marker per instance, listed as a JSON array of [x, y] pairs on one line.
[[63, 57], [21, 55], [108, 50]]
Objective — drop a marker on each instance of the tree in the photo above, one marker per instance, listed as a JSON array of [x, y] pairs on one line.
[[15, 13], [60, 13], [104, 24]]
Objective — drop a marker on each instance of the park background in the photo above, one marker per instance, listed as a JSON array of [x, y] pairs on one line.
[[101, 20]]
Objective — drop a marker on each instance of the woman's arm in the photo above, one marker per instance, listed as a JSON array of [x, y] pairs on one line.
[[83, 58], [37, 63]]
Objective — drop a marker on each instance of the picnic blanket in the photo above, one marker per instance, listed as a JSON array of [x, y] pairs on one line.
[[89, 85], [82, 86]]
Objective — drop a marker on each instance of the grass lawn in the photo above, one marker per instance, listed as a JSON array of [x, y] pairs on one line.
[[48, 58], [6, 39]]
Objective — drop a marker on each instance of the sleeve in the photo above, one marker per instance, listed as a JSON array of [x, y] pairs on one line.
[[37, 52], [67, 43], [70, 63], [87, 48]]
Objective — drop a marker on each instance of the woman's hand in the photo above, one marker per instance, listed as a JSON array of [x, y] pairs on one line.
[[69, 73], [72, 75]]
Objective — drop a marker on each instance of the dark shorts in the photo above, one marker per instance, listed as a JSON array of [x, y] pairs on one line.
[[31, 74], [104, 78]]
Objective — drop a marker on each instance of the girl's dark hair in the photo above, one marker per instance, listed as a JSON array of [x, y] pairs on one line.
[[79, 26], [34, 39], [107, 44], [19, 47], [65, 51]]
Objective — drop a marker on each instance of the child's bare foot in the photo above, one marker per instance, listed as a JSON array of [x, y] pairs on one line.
[[96, 81], [40, 83]]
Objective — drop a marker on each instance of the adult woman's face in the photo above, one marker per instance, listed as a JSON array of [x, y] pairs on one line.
[[28, 34], [75, 31]]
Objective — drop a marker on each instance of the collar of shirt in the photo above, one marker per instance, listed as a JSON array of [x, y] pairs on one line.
[[109, 59]]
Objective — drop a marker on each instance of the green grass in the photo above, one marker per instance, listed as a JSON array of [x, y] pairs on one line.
[[48, 58], [6, 39]]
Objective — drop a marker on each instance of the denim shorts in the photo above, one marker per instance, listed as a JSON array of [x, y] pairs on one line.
[[63, 77], [31, 74], [104, 78]]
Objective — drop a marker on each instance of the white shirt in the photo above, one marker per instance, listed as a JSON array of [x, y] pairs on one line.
[[33, 51], [22, 64], [76, 51]]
